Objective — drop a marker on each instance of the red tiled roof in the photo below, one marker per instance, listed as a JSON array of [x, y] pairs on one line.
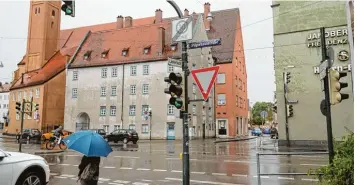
[[4, 87]]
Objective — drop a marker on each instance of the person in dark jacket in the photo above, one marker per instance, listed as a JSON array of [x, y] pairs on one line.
[[94, 161]]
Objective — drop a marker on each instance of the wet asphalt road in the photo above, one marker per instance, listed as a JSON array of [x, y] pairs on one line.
[[158, 162]]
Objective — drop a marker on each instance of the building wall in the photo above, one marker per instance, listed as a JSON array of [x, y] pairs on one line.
[[4, 105], [308, 125]]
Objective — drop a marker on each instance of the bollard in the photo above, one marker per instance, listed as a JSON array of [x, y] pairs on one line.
[[258, 168]]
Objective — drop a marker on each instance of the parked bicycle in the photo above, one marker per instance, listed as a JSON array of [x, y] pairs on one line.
[[54, 141]]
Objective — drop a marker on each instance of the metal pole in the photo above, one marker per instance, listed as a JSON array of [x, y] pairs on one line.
[[286, 118], [258, 167], [150, 126], [21, 129], [327, 100], [186, 155]]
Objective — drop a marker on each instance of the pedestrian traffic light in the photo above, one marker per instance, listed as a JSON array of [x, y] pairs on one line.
[[335, 86], [18, 107], [69, 7], [175, 89], [289, 110], [36, 107], [287, 77]]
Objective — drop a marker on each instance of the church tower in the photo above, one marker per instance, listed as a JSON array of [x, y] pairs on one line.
[[43, 32]]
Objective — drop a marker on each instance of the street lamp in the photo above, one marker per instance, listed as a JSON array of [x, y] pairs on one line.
[[150, 123]]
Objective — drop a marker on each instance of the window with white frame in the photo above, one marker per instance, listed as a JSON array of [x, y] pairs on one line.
[[24, 95], [37, 93], [30, 93], [132, 110], [113, 90], [171, 110], [74, 93], [75, 75], [170, 69], [145, 88], [113, 111], [106, 128], [193, 109], [221, 78], [17, 116], [145, 128], [104, 73], [103, 91], [114, 72], [133, 70], [102, 110], [221, 99], [132, 127], [116, 127], [145, 69], [133, 89], [144, 109], [194, 88]]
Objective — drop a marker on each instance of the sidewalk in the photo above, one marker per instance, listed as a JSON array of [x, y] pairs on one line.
[[235, 139]]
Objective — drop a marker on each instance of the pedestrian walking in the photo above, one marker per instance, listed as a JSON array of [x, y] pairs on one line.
[[89, 170]]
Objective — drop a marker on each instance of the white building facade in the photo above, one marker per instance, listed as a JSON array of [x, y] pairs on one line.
[[4, 103]]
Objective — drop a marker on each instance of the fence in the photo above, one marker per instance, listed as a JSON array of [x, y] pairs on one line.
[[283, 154]]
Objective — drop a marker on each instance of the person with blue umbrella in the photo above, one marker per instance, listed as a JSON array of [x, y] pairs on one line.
[[93, 146]]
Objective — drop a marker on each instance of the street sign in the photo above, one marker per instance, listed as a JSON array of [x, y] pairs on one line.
[[263, 114], [174, 62], [204, 79], [182, 29], [206, 43], [323, 69]]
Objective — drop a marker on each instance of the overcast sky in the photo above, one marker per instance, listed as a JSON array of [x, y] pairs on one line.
[[256, 34]]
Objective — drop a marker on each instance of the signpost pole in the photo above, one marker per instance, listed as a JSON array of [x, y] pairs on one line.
[[22, 112]]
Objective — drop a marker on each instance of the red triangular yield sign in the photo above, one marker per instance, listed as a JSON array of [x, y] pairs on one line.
[[204, 79]]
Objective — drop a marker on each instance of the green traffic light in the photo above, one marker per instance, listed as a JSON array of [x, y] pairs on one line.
[[178, 103], [68, 11]]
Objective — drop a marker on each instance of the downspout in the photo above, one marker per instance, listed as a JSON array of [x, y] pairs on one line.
[[122, 95]]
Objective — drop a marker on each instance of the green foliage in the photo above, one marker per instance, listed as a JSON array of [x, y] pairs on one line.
[[342, 170], [257, 109]]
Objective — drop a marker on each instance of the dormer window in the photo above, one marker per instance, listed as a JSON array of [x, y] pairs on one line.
[[125, 51], [146, 50], [105, 53], [87, 55], [173, 47]]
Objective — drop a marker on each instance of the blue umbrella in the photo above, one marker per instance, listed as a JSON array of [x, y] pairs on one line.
[[88, 143]]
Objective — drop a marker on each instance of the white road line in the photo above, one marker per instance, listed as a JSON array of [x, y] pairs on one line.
[[262, 177], [125, 168], [159, 170], [193, 159], [286, 178], [127, 157], [315, 180], [114, 183], [120, 181], [198, 172], [60, 177], [203, 182], [67, 175], [64, 164], [176, 171], [313, 165], [75, 165], [220, 174], [143, 169], [53, 174], [146, 180], [239, 175], [52, 164], [103, 179], [109, 167], [74, 178], [140, 183]]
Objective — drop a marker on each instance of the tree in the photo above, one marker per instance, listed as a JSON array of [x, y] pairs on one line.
[[257, 109]]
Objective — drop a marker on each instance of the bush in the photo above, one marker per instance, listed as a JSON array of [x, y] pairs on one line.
[[342, 170]]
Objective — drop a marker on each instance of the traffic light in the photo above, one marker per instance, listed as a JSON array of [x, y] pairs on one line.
[[287, 77], [36, 107], [289, 110], [18, 107], [175, 89], [69, 7], [335, 86]]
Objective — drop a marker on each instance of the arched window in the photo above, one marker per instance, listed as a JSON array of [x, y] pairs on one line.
[[35, 10], [39, 10], [53, 13]]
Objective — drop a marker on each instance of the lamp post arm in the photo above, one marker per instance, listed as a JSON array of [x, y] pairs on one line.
[[176, 7]]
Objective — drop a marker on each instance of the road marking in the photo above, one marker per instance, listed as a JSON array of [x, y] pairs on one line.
[[193, 159], [120, 181], [262, 177], [239, 175], [163, 180], [127, 157], [203, 182], [176, 171], [67, 175], [103, 179], [60, 177], [114, 183], [146, 180], [53, 174], [159, 170], [315, 180], [143, 169], [75, 165], [221, 174], [125, 168], [198, 172], [65, 164], [140, 183], [313, 165], [52, 164], [286, 178], [109, 167], [74, 178]]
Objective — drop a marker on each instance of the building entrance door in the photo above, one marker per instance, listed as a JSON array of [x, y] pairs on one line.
[[171, 131]]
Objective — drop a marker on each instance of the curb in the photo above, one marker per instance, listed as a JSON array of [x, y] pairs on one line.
[[50, 152], [235, 140]]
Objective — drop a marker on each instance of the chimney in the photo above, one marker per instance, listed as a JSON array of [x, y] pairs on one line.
[[127, 21], [158, 16], [186, 12], [119, 22], [207, 9]]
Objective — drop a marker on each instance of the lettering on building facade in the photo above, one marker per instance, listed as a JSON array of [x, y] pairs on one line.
[[335, 37], [338, 68]]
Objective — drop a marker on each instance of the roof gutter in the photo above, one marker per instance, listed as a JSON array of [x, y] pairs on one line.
[[77, 49]]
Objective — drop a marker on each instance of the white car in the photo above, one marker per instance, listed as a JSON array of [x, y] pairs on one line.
[[23, 169]]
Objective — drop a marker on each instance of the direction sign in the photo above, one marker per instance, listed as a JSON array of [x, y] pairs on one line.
[[323, 69], [206, 43], [263, 114], [204, 79], [182, 29], [174, 62]]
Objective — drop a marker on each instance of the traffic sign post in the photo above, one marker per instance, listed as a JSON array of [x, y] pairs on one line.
[[174, 62], [207, 43], [204, 79], [182, 29]]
